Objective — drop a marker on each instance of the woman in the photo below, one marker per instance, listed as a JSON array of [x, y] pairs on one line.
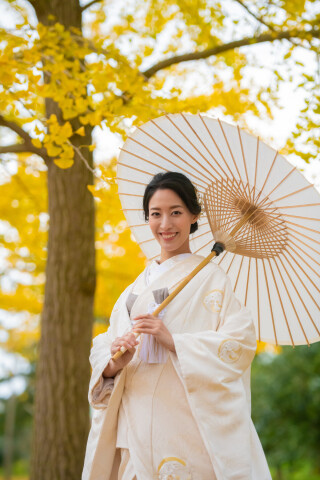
[[178, 401]]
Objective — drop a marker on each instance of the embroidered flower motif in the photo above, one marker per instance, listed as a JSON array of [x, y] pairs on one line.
[[173, 468], [229, 351], [213, 301]]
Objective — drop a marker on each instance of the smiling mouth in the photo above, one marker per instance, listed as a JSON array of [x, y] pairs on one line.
[[168, 236]]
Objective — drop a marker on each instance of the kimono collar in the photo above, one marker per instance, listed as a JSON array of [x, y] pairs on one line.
[[154, 269]]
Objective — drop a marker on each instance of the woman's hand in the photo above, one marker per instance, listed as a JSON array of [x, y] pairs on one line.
[[154, 326], [128, 341]]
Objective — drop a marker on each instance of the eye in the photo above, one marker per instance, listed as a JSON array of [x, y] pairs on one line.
[[177, 211], [154, 214]]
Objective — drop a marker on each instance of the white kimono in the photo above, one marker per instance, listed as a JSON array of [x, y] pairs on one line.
[[191, 412]]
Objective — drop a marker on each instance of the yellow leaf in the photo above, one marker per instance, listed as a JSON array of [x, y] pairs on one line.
[[92, 147], [80, 131], [91, 188], [53, 151], [67, 163], [36, 142]]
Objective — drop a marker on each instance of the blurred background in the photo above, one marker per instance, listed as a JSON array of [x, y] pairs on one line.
[[75, 79]]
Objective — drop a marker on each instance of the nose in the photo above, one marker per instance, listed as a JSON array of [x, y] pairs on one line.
[[166, 222]]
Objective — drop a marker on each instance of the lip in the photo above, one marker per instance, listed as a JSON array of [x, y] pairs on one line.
[[168, 233]]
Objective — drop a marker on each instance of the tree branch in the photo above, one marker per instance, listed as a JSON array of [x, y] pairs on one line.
[[89, 4], [26, 146], [259, 19], [264, 37]]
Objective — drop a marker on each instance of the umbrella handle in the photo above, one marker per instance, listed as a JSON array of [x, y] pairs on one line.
[[181, 285]]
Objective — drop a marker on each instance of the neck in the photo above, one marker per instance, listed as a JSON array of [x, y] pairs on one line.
[[166, 255]]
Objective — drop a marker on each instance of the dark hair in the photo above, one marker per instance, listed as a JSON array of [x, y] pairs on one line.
[[181, 185]]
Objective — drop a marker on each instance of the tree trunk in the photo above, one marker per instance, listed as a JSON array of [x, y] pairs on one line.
[[61, 419]]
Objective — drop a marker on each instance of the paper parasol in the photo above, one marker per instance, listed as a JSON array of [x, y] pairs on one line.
[[274, 265]]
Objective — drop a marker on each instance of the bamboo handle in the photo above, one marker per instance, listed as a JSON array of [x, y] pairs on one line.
[[181, 285]]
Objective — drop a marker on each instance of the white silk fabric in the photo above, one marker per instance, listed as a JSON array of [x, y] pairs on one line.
[[209, 375]]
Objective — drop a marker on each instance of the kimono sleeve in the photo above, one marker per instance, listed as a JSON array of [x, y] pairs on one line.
[[100, 388], [221, 355], [211, 364]]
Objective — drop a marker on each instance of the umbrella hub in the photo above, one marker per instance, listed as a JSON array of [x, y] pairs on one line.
[[253, 226]]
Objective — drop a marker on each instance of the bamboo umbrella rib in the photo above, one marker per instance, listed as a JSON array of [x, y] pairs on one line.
[[270, 304], [292, 304], [173, 153], [292, 193], [247, 285], [304, 236], [217, 147], [209, 151], [240, 268], [192, 144], [258, 301], [303, 259], [306, 245], [146, 241], [303, 271], [267, 177], [230, 264], [229, 148], [299, 206], [303, 218], [182, 148], [130, 194], [297, 292], [131, 181], [303, 227], [203, 246], [140, 158], [281, 181], [282, 307], [132, 209], [223, 256], [243, 157], [256, 166], [167, 160]]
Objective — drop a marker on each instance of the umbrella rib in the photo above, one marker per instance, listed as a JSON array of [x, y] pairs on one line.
[[267, 177], [281, 181], [131, 181], [289, 296], [217, 147], [157, 166], [234, 256], [195, 133], [240, 268], [304, 227], [269, 298], [297, 292], [303, 271], [304, 260], [229, 148], [258, 300], [247, 285], [256, 167], [171, 151], [298, 206], [209, 151], [303, 235], [243, 157], [222, 257], [308, 246], [303, 218], [293, 193]]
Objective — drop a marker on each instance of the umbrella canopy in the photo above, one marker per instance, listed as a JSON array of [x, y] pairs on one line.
[[275, 257]]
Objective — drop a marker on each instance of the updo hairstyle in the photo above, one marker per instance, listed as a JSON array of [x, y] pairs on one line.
[[181, 185]]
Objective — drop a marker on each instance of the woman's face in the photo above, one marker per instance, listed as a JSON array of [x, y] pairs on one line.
[[170, 220]]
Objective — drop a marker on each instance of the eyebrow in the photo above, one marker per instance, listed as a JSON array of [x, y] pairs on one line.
[[173, 206]]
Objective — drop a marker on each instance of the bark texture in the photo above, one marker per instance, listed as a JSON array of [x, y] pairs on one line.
[[61, 420]]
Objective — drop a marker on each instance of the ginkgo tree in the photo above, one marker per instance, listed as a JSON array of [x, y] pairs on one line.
[[71, 67]]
